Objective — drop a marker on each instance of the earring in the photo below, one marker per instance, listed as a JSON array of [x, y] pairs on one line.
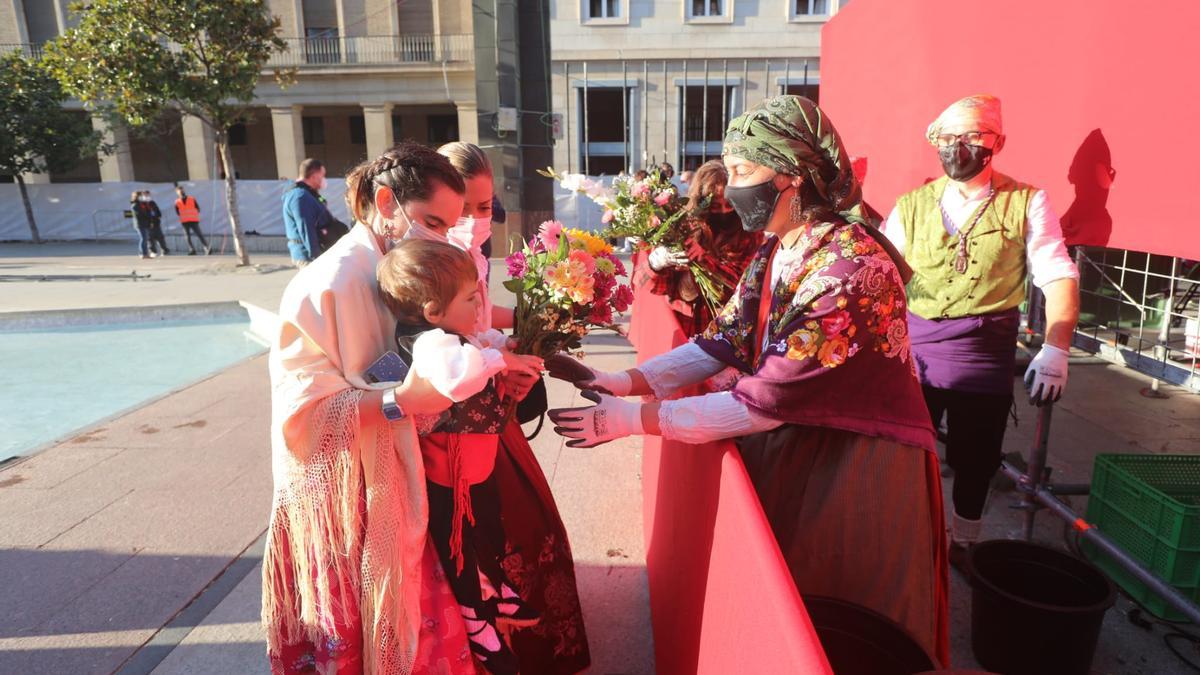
[[796, 207]]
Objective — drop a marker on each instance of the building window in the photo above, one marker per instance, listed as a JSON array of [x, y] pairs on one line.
[[810, 7], [811, 91], [237, 134], [358, 130], [704, 115], [708, 11], [605, 147], [314, 130], [604, 9], [443, 129], [321, 45]]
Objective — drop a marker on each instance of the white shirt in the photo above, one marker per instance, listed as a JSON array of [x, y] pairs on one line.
[[458, 371], [1045, 251]]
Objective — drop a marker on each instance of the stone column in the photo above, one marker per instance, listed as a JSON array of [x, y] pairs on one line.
[[289, 139], [468, 121], [198, 144], [116, 167], [13, 28], [377, 120]]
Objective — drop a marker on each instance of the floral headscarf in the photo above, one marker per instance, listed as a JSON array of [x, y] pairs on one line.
[[793, 136]]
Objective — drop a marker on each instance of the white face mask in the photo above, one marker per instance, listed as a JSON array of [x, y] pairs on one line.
[[323, 184], [469, 233], [420, 230]]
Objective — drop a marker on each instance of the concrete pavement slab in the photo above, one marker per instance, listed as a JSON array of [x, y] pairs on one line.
[[229, 640]]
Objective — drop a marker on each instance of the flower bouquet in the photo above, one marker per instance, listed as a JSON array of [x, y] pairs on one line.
[[652, 211], [566, 283]]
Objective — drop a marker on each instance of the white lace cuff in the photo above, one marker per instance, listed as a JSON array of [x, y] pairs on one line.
[[683, 366], [712, 417]]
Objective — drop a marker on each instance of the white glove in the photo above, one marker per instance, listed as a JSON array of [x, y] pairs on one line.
[[611, 418], [1046, 377], [662, 257], [569, 369]]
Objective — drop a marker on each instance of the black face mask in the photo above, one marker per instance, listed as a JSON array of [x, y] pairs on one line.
[[754, 204], [963, 162]]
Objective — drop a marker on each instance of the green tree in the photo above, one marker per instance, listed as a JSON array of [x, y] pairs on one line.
[[200, 57], [36, 134]]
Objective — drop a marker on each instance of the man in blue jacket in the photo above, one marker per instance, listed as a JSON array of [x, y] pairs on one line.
[[305, 213]]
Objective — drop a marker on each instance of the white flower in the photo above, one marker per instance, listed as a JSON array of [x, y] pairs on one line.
[[576, 182], [598, 193]]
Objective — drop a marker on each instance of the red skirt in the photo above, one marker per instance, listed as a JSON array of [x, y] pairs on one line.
[[539, 562]]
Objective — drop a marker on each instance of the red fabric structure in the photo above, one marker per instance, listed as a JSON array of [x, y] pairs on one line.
[[721, 597], [1098, 101]]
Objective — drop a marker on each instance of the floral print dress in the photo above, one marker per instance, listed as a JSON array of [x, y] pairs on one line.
[[849, 482], [831, 348]]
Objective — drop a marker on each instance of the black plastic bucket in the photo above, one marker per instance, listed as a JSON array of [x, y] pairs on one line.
[[1034, 609], [859, 641]]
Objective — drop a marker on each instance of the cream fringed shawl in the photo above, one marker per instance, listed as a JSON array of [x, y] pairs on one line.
[[333, 326]]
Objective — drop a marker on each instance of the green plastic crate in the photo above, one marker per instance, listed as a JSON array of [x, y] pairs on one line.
[[1149, 505]]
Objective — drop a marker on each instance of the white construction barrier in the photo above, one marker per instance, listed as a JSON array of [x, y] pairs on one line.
[[65, 211]]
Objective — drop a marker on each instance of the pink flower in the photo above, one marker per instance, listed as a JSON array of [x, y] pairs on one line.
[[549, 234], [640, 190], [608, 216], [582, 257], [623, 298], [655, 221], [836, 323], [663, 198], [516, 264]]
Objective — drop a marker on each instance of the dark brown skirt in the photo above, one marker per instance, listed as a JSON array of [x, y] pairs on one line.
[[856, 520], [539, 563]]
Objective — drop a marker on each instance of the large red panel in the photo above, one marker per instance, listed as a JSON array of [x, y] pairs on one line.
[[1086, 85], [721, 596]]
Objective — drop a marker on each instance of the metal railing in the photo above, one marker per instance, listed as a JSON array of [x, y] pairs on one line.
[[1142, 311], [375, 50], [30, 50], [335, 51]]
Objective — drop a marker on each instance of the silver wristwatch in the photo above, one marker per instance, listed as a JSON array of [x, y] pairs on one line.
[[391, 409]]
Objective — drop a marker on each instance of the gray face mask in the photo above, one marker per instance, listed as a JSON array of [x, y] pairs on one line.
[[755, 204]]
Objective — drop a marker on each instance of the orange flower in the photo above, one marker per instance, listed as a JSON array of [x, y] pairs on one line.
[[834, 352], [802, 344]]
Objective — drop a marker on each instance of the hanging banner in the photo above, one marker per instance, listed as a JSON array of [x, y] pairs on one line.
[[1099, 104]]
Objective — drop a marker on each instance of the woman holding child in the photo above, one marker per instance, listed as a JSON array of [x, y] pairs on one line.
[[351, 578]]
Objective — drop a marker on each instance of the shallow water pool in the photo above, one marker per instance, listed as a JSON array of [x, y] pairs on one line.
[[56, 380]]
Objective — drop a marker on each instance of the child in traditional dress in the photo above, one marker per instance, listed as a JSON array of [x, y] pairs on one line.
[[432, 289]]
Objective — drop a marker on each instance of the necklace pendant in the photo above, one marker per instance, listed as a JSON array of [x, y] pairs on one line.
[[960, 265]]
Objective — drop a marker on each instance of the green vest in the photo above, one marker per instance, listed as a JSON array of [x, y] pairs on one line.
[[995, 276]]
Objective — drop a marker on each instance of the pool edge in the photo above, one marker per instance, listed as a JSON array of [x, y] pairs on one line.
[[262, 324]]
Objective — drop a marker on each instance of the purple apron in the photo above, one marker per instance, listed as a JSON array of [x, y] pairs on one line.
[[974, 354]]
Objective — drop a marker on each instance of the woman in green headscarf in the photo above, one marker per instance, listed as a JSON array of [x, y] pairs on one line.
[[831, 420]]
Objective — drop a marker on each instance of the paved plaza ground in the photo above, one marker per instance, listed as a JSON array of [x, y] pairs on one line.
[[134, 545]]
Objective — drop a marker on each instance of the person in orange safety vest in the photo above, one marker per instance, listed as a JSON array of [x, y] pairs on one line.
[[188, 210]]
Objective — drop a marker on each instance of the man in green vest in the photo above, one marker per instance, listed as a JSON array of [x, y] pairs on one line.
[[971, 237]]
